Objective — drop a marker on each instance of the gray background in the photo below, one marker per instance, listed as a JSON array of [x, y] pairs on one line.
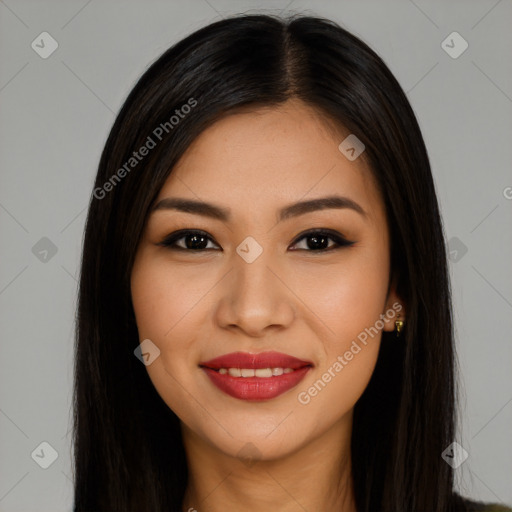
[[56, 114]]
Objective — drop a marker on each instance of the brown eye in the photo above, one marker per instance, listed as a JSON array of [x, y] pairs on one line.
[[193, 241], [196, 241], [318, 241]]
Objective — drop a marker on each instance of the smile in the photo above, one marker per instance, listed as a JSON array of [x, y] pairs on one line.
[[255, 377], [251, 372]]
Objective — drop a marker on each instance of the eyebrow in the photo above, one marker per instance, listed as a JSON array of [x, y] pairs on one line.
[[224, 214]]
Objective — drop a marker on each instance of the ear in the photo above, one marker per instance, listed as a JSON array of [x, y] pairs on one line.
[[394, 308]]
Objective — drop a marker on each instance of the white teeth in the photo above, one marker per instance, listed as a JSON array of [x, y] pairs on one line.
[[263, 372], [251, 372]]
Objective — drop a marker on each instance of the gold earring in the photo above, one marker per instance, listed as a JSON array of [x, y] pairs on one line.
[[399, 324]]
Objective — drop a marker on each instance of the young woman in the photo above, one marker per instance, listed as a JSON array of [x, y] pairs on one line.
[[264, 318]]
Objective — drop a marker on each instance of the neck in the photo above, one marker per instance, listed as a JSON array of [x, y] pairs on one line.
[[315, 477]]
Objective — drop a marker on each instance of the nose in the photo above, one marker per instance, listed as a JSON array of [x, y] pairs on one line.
[[255, 298]]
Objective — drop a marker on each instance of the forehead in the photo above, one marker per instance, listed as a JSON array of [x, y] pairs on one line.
[[271, 155]]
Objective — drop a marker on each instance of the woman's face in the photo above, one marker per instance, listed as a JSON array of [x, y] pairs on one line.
[[253, 281]]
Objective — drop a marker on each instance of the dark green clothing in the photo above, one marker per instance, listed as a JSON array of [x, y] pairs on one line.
[[497, 507]]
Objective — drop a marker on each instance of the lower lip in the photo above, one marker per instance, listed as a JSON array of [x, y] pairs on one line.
[[256, 388]]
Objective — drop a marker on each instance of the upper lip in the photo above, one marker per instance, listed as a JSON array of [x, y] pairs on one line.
[[255, 361]]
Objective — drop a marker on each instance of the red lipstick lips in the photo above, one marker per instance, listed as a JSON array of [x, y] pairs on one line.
[[255, 377]]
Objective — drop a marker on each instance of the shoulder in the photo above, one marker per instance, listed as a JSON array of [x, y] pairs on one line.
[[468, 505], [492, 507], [496, 507]]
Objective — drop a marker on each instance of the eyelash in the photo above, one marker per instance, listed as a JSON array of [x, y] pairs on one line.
[[170, 241]]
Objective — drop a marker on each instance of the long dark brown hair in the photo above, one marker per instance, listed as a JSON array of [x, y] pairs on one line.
[[128, 451]]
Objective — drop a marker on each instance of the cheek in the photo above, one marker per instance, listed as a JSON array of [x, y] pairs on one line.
[[349, 304], [163, 298], [346, 297], [349, 300], [163, 310]]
